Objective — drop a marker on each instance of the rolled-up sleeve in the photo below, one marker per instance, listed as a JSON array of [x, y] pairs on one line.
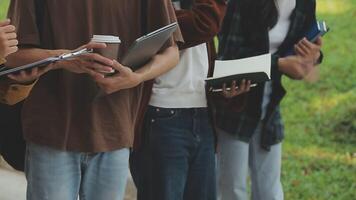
[[161, 13], [23, 15]]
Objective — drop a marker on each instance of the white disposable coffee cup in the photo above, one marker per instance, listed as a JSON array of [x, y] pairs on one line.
[[112, 43]]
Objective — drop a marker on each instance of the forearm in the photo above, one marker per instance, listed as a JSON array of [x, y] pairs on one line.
[[160, 64], [29, 55]]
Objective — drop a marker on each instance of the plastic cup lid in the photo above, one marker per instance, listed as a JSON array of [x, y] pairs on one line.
[[106, 39]]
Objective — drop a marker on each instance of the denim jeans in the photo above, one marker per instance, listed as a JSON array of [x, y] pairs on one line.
[[177, 158], [60, 175], [236, 157]]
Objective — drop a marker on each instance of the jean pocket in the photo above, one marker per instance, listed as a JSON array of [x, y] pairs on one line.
[[162, 113]]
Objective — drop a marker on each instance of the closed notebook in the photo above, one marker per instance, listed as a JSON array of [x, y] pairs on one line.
[[4, 71], [257, 69]]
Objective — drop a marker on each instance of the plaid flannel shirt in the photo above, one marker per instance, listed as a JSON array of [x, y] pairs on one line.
[[234, 43]]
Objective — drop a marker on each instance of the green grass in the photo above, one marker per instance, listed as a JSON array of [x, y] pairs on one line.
[[3, 8], [319, 159]]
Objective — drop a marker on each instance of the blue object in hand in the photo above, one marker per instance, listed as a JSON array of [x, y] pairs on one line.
[[318, 29]]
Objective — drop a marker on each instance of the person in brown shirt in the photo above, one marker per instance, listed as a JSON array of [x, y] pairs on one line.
[[78, 124]]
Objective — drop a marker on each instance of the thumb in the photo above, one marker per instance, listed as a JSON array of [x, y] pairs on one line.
[[5, 22]]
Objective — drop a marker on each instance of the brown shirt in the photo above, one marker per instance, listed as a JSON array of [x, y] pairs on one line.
[[66, 110]]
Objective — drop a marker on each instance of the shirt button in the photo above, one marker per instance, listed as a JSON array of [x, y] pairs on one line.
[[157, 109], [152, 120], [172, 111]]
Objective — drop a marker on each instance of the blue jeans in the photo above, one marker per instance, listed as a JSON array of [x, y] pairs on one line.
[[236, 158], [177, 158], [60, 175]]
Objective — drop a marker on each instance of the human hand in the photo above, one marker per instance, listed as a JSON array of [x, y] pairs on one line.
[[91, 61], [308, 49], [235, 91], [8, 41], [124, 78], [296, 67], [28, 77]]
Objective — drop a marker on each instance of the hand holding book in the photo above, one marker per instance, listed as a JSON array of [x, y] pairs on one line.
[[27, 77], [235, 90], [255, 69], [309, 50], [316, 31]]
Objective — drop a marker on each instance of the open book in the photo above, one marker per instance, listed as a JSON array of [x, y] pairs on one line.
[[257, 69]]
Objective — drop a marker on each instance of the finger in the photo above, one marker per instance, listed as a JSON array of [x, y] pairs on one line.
[[24, 73], [233, 86], [5, 22], [11, 50], [224, 91], [98, 58], [9, 29], [12, 43], [34, 72], [17, 78], [300, 51], [94, 74], [243, 85], [11, 36], [308, 44], [95, 45], [13, 77], [248, 86], [99, 67]]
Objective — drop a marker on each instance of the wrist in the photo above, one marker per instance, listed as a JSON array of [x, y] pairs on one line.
[[139, 77], [281, 64], [59, 52]]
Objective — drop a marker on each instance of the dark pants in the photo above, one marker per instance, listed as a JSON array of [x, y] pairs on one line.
[[177, 158], [12, 144]]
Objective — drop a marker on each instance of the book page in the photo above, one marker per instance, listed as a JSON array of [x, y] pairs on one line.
[[260, 63]]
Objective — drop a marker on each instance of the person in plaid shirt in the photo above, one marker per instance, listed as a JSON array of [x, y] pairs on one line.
[[250, 127]]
